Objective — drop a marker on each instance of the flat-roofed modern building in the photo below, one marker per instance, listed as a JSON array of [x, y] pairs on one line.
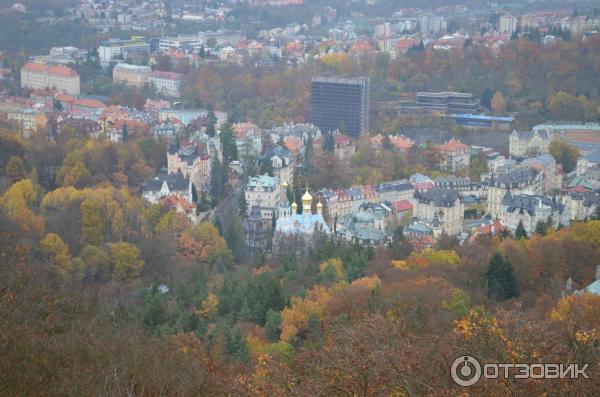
[[340, 103], [460, 102], [121, 49]]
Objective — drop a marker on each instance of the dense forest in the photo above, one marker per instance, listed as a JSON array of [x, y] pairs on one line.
[[539, 83]]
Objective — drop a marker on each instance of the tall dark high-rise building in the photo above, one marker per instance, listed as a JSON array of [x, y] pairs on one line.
[[340, 103]]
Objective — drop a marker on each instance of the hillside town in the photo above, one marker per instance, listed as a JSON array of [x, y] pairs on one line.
[[251, 180]]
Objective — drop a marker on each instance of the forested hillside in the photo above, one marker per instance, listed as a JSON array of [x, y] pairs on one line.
[[103, 294]]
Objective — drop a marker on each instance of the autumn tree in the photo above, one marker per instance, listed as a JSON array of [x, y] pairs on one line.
[[97, 263], [17, 202], [93, 223], [15, 169], [498, 103], [73, 171], [127, 262], [58, 254], [204, 245], [565, 154]]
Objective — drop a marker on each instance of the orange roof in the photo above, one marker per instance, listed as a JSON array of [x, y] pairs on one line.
[[179, 203], [55, 70], [65, 98], [400, 142], [89, 103], [241, 130], [404, 44], [293, 144], [453, 145], [340, 140], [362, 46]]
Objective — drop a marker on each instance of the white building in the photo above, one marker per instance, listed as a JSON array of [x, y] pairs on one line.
[[519, 180], [585, 162], [180, 42], [529, 209], [524, 143], [507, 24], [443, 204], [165, 185], [133, 75], [121, 49], [263, 192], [167, 83]]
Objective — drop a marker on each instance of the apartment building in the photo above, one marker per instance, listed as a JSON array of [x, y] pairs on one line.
[[40, 76]]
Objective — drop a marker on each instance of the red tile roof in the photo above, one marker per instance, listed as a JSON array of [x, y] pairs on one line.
[[402, 205], [453, 145], [89, 103], [65, 98], [54, 70], [167, 75]]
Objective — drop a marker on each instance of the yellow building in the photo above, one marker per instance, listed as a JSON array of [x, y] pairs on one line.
[[28, 120]]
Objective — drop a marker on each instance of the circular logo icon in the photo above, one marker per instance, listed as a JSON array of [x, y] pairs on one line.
[[465, 371]]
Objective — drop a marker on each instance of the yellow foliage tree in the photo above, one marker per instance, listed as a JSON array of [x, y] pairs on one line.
[[72, 170], [333, 266], [127, 262], [92, 220], [58, 254], [209, 305], [16, 202]]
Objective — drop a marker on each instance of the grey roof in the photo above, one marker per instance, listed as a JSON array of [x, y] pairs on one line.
[[394, 186], [516, 177], [593, 157], [440, 197], [529, 203], [529, 134], [545, 159], [175, 182], [276, 150], [419, 228]]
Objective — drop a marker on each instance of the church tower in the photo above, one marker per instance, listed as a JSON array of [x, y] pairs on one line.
[[306, 203]]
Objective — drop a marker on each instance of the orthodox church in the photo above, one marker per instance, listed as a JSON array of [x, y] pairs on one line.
[[296, 231]]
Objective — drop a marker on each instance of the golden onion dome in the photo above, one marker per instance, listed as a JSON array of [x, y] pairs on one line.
[[294, 205], [306, 196], [319, 205]]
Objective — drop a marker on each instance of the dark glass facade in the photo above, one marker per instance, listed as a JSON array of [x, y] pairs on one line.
[[340, 103]]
